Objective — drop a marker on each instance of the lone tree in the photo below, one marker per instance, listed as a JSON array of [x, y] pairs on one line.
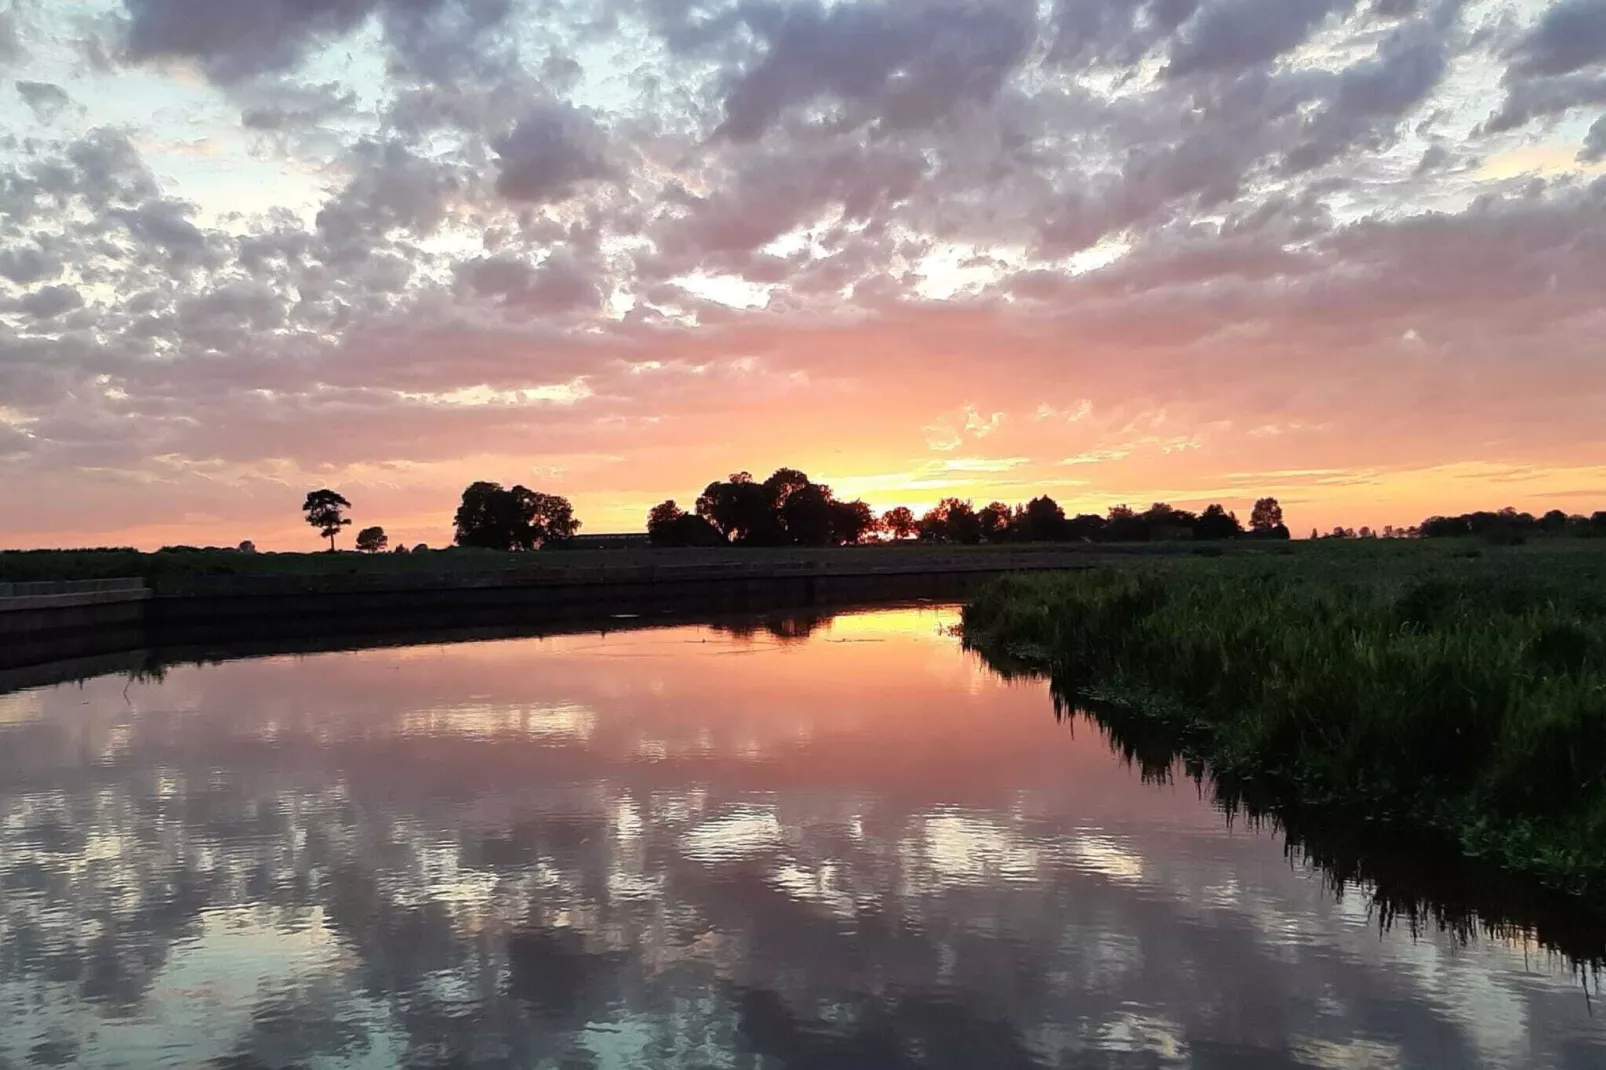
[[494, 518], [373, 540], [323, 509], [1267, 517]]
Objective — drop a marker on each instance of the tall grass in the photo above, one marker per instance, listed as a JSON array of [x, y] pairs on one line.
[[1466, 696]]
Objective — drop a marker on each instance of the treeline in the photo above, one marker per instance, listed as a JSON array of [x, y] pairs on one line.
[[1508, 523], [789, 509], [490, 517]]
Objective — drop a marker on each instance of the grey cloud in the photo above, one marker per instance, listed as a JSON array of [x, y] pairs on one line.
[[1594, 149], [237, 41], [1373, 94], [393, 188], [46, 100], [289, 107], [1528, 99], [28, 265], [769, 195], [163, 223], [1115, 31], [1555, 66], [561, 283], [51, 301], [1434, 158], [553, 149], [1569, 37], [906, 64], [1234, 35], [10, 41]]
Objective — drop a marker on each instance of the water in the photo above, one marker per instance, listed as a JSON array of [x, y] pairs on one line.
[[854, 847]]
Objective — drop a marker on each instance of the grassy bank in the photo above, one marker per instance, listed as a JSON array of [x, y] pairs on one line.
[[1456, 690], [26, 565]]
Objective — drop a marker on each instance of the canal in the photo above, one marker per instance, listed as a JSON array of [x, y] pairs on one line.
[[811, 843]]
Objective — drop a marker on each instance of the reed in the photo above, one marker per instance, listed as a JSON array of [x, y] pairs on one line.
[[1456, 694]]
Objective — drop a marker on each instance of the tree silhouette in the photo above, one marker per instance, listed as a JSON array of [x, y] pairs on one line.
[[851, 521], [372, 540], [806, 515], [494, 518], [994, 521], [1267, 515], [953, 520], [670, 525], [1216, 523], [782, 483], [323, 509], [900, 522], [1042, 520], [740, 509]]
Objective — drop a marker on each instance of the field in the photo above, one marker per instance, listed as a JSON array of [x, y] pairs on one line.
[[1449, 687]]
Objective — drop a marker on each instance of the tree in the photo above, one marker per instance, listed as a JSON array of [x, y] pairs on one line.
[[782, 484], [661, 522], [740, 509], [1124, 525], [806, 515], [994, 521], [1085, 527], [1042, 521], [669, 525], [493, 518], [1267, 515], [372, 540], [900, 523], [323, 509], [248, 547], [952, 520], [851, 521], [1553, 522], [1216, 523]]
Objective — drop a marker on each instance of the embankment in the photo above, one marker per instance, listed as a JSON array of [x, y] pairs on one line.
[[48, 622]]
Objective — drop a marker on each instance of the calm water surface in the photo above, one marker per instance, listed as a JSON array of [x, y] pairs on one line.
[[850, 848]]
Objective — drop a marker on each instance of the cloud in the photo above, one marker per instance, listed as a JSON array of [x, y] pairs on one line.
[[50, 302], [391, 188], [285, 106], [1231, 36], [45, 99], [25, 265], [1246, 215], [1594, 149], [896, 64], [234, 42], [1570, 36], [11, 51], [561, 283], [553, 149], [1555, 66]]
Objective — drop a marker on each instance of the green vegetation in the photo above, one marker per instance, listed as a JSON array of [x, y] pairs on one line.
[[1431, 685]]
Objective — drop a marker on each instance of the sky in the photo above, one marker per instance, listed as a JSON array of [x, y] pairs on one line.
[[1350, 254]]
